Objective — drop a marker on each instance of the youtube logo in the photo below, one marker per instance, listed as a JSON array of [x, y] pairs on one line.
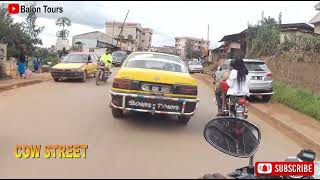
[[13, 8]]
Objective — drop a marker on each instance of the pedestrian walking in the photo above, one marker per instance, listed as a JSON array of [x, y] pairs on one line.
[[22, 63]]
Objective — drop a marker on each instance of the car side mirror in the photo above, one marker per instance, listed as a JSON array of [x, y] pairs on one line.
[[233, 136]]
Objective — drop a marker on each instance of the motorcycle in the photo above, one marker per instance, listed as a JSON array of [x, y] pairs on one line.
[[237, 107], [223, 134], [101, 74]]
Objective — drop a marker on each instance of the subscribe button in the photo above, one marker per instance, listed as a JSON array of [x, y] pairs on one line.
[[50, 151], [284, 168]]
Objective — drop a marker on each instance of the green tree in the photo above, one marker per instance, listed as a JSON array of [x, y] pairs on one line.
[[12, 33], [63, 34], [62, 22], [42, 53], [31, 28], [189, 49], [263, 38], [280, 18]]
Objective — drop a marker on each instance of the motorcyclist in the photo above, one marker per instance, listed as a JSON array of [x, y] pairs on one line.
[[238, 81], [107, 60]]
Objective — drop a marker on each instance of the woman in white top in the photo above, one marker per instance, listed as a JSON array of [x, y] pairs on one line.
[[238, 80]]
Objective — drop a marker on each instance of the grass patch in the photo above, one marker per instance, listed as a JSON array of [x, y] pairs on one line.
[[300, 100]]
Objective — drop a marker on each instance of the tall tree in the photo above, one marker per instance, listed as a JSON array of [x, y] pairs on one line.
[[63, 22], [32, 28], [263, 38], [189, 49], [280, 18], [12, 33]]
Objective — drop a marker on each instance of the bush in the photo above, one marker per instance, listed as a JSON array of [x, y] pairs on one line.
[[51, 58], [301, 100]]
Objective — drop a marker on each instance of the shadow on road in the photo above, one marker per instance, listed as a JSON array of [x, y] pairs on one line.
[[75, 80], [166, 122], [257, 99]]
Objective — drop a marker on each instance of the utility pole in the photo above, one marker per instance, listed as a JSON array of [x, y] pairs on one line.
[[207, 48], [113, 32], [120, 34], [208, 34]]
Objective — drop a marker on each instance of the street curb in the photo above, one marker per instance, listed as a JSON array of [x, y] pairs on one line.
[[21, 84], [307, 142]]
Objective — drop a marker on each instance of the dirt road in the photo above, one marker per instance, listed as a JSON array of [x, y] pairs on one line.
[[138, 146]]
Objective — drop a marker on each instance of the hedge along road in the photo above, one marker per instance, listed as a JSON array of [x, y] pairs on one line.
[[138, 146]]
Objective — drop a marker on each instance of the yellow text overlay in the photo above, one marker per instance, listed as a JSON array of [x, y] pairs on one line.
[[51, 151]]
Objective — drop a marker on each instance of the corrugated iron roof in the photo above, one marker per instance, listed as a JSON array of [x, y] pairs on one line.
[[315, 19], [283, 27], [301, 26], [317, 6]]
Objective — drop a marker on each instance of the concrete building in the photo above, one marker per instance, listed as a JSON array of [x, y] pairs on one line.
[[289, 30], [165, 49], [93, 42], [234, 44], [134, 37], [217, 54], [146, 38], [190, 45], [316, 20]]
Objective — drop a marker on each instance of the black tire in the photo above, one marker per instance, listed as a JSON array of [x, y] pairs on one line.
[[117, 113], [183, 119], [97, 78], [84, 76], [266, 98], [56, 79]]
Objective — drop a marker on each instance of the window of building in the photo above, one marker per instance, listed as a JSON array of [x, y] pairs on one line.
[[142, 41]]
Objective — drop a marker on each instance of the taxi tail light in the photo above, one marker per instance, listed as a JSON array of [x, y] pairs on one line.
[[188, 90], [122, 83]]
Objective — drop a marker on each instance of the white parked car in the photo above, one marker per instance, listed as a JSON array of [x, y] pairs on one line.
[[260, 83], [195, 66]]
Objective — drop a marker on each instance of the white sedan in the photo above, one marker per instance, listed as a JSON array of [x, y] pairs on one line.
[[195, 66]]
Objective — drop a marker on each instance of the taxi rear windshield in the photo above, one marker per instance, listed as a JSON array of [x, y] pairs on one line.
[[165, 65]]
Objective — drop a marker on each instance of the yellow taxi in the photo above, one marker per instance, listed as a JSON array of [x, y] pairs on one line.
[[77, 65], [155, 83]]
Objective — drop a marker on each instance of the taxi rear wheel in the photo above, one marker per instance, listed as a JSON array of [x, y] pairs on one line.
[[183, 119], [84, 76], [117, 113]]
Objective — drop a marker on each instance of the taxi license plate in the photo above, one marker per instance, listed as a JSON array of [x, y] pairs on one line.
[[155, 88]]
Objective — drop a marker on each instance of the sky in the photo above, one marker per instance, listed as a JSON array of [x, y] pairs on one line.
[[170, 19]]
